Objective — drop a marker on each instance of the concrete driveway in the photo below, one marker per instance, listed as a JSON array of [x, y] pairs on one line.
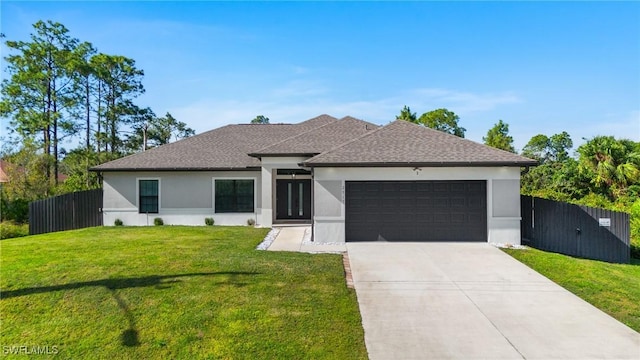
[[472, 301]]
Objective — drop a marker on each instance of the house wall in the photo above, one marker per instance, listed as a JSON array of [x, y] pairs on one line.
[[503, 196], [186, 198], [268, 186]]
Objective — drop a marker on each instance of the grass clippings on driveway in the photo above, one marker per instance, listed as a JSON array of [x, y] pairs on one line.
[[175, 292], [613, 288]]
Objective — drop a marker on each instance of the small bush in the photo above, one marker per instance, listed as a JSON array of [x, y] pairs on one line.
[[158, 221], [16, 210], [597, 201], [118, 222], [251, 222], [9, 229], [209, 221]]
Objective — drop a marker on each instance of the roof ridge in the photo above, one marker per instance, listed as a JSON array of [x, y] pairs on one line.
[[349, 142], [338, 122], [332, 118], [349, 117], [293, 136]]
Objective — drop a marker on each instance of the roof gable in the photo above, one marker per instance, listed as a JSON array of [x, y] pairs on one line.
[[223, 148], [402, 143], [320, 139]]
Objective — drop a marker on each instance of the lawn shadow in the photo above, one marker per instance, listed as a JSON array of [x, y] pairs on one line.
[[129, 337]]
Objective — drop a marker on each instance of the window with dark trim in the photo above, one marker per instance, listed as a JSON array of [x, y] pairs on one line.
[[148, 192], [234, 196]]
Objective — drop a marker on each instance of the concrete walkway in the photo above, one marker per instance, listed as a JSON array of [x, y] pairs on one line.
[[298, 239], [472, 301]]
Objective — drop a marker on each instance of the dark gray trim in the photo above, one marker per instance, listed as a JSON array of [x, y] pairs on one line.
[[424, 164]]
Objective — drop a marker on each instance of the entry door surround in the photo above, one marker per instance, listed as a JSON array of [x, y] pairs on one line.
[[293, 199]]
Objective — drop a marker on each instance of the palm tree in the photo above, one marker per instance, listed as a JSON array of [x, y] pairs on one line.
[[613, 165]]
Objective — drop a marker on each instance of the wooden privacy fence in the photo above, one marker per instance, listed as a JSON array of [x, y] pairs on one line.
[[575, 230], [66, 212]]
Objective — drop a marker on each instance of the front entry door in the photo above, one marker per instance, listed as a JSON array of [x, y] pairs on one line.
[[293, 199]]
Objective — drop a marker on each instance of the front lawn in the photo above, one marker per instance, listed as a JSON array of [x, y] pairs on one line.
[[613, 288], [174, 293]]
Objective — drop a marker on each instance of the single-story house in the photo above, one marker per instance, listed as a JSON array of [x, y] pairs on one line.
[[351, 179]]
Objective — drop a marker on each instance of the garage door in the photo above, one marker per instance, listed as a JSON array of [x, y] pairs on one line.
[[416, 211]]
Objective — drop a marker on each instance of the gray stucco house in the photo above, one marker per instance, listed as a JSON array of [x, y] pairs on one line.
[[351, 179]]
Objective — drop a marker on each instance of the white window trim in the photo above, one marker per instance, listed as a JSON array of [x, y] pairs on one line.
[[255, 192], [138, 193]]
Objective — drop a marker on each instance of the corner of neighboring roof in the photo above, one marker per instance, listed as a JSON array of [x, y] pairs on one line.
[[369, 133], [261, 152], [319, 117], [366, 123]]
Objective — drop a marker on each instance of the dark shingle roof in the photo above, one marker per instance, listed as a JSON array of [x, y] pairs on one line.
[[223, 148], [345, 142], [402, 143], [319, 139]]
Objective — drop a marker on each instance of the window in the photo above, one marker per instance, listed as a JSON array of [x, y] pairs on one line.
[[234, 196], [148, 191]]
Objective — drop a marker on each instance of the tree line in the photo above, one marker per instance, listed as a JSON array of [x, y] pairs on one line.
[[63, 90]]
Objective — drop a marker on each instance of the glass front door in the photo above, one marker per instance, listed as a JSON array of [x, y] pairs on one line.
[[293, 199]]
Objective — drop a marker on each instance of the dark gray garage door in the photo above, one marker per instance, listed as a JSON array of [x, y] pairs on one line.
[[416, 211]]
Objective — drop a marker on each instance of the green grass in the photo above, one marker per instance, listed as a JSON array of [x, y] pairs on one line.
[[175, 293], [613, 288]]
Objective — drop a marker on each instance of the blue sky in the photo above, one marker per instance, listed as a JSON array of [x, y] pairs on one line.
[[542, 67]]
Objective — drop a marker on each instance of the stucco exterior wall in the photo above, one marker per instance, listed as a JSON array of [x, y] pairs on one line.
[[268, 186], [503, 196], [185, 198]]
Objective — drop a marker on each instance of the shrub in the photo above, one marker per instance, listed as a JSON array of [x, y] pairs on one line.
[[16, 210], [9, 229], [118, 222], [596, 200], [158, 221], [209, 221], [251, 222]]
